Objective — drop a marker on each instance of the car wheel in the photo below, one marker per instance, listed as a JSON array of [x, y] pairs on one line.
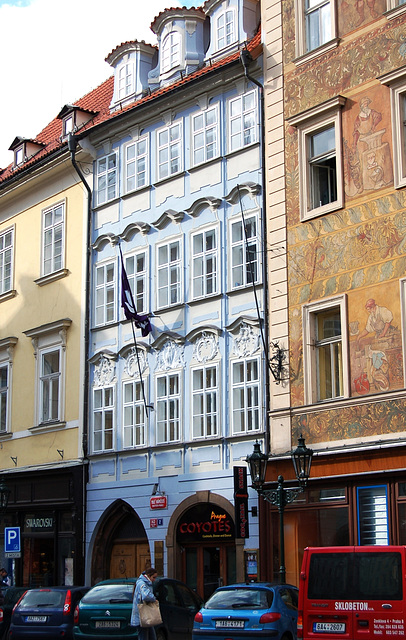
[[160, 634], [286, 636]]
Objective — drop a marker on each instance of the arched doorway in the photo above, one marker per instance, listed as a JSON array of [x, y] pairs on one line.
[[202, 548], [121, 548]]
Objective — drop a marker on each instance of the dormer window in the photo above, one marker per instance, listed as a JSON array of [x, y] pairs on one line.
[[73, 118], [68, 125], [126, 80], [24, 149], [19, 156], [171, 51], [225, 29]]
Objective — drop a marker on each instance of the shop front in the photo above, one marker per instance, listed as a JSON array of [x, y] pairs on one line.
[[366, 507], [46, 508], [202, 543]]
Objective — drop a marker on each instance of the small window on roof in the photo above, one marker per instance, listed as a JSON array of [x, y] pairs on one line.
[[19, 155], [68, 125]]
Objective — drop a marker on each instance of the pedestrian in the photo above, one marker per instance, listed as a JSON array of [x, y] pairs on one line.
[[4, 577], [143, 593]]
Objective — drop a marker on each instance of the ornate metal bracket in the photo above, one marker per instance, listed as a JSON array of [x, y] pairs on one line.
[[276, 362], [280, 496]]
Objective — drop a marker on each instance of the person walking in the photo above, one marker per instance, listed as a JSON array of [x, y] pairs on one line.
[[143, 593]]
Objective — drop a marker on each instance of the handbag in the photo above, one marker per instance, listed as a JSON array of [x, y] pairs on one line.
[[150, 614]]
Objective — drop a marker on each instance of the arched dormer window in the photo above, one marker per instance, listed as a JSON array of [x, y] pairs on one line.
[[126, 80], [171, 51], [225, 32]]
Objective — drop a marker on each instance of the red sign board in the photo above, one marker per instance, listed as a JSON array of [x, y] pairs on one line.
[[158, 502]]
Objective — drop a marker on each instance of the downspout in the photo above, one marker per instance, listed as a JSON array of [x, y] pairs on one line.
[[72, 144], [246, 59]]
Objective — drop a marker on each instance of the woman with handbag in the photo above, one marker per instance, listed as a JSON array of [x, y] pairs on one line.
[[144, 614]]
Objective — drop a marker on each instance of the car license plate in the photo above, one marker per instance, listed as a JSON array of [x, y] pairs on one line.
[[329, 627], [229, 624], [107, 624], [35, 618]]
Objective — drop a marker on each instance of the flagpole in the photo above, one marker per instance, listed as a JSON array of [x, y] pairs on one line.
[[139, 369], [130, 312]]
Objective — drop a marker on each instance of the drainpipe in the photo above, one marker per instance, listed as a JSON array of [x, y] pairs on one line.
[[246, 59], [72, 144]]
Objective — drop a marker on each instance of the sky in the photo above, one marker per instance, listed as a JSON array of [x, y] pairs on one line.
[[53, 52]]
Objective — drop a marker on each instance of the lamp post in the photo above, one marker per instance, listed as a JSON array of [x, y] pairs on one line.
[[280, 497]]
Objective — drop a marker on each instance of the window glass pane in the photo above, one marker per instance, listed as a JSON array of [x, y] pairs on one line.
[[373, 515]]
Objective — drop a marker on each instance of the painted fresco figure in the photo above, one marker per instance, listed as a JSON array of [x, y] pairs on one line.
[[379, 320], [368, 160], [360, 7], [376, 359]]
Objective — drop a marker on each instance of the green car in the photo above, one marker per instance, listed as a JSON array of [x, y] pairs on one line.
[[104, 612]]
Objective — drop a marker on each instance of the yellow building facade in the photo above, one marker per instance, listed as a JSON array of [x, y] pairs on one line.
[[43, 235]]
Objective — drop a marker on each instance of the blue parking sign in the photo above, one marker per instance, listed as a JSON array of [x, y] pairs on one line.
[[12, 540]]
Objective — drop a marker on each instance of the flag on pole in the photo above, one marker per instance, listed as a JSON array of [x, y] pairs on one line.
[[127, 302]]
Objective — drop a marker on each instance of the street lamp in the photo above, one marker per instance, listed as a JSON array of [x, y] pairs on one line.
[[4, 495], [280, 497]]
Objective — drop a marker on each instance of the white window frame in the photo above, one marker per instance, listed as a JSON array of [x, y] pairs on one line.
[[228, 38], [200, 261], [244, 390], [6, 363], [239, 246], [47, 392], [105, 293], [209, 419], [171, 51], [309, 123], [135, 429], [104, 409], [138, 277], [47, 339], [168, 430], [137, 164], [169, 150], [201, 133], [103, 176], [6, 260], [309, 317], [396, 81], [304, 51], [53, 239], [126, 79], [172, 283], [239, 121], [395, 8]]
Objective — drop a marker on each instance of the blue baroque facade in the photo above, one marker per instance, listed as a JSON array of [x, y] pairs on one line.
[[178, 190]]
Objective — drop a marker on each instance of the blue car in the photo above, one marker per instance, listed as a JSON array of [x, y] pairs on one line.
[[248, 611]]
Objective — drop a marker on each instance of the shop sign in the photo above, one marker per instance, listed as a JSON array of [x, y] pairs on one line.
[[158, 502], [40, 522], [205, 523], [241, 502]]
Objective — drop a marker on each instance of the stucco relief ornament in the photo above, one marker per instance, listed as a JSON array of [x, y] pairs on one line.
[[171, 356], [104, 372], [247, 341], [133, 366], [205, 347]]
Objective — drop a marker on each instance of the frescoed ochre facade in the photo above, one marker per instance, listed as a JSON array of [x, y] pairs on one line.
[[344, 68]]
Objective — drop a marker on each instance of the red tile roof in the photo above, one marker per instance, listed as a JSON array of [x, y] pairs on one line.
[[98, 100]]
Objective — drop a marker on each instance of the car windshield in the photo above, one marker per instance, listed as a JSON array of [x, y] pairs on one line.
[[42, 598], [109, 594], [240, 599]]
